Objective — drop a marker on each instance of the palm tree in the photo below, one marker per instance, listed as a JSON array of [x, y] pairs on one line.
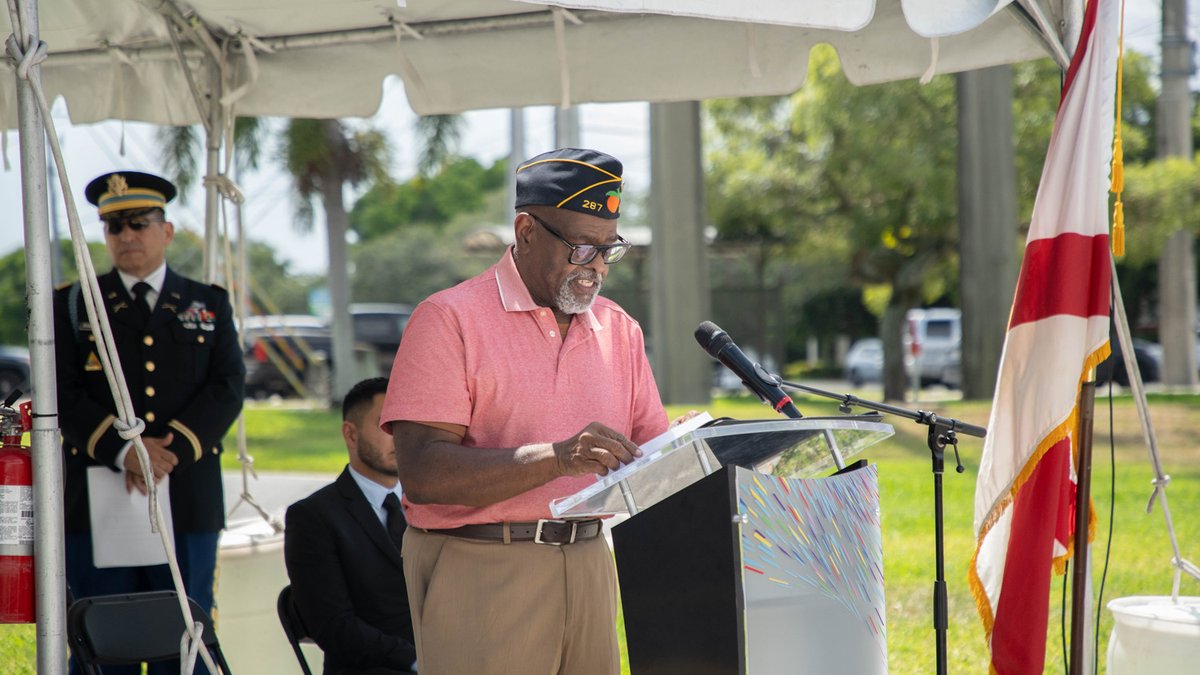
[[438, 136], [183, 146], [324, 156]]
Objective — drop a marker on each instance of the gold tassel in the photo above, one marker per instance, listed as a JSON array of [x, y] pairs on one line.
[[1118, 161], [1118, 164], [1118, 231]]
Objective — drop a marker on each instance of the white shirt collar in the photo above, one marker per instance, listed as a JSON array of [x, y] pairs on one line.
[[155, 279], [374, 492]]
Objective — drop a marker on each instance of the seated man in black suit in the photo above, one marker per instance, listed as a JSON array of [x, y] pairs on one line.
[[342, 549]]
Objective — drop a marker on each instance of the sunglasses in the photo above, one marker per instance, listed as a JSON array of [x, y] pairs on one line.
[[113, 226], [582, 254]]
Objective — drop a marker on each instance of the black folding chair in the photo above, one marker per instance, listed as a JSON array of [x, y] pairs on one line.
[[119, 630], [293, 626]]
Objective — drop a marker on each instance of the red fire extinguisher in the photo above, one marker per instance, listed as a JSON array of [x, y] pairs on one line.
[[16, 516]]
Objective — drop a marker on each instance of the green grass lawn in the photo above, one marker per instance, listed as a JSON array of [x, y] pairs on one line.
[[304, 440]]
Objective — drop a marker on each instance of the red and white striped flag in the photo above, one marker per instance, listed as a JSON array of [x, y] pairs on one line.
[[1024, 496]]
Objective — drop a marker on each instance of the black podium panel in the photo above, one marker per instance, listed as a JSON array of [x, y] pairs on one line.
[[679, 567], [742, 573]]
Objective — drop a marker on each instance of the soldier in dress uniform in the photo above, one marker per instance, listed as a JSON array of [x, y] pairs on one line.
[[183, 367]]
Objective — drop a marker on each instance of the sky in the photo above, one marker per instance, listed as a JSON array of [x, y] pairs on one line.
[[619, 129]]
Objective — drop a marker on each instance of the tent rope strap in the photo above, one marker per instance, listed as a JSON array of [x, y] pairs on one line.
[[228, 189], [127, 421], [230, 192], [25, 59]]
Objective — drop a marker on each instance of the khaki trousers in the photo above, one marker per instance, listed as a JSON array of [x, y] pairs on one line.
[[490, 608]]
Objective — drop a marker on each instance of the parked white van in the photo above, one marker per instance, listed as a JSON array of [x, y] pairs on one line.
[[933, 345]]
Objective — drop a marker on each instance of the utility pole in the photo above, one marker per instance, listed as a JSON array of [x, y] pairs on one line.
[[1177, 266]]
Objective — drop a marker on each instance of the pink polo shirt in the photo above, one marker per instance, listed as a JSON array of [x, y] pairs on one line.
[[483, 355]]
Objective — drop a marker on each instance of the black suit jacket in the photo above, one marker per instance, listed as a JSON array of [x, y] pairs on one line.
[[348, 580], [183, 367]]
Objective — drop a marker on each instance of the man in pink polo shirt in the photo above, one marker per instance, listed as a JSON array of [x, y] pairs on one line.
[[508, 391]]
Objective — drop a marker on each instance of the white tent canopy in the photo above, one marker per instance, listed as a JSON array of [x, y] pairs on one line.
[[118, 59]]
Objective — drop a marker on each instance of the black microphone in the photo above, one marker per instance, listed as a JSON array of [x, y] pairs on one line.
[[720, 346]]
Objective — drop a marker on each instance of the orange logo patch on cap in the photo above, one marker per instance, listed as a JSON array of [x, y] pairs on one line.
[[614, 200]]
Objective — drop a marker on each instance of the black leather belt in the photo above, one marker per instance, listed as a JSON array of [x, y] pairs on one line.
[[545, 531]]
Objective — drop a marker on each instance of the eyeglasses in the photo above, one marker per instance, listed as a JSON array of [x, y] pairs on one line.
[[582, 254], [137, 223]]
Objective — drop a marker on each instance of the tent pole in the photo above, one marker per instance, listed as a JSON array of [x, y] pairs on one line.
[[51, 596], [213, 133]]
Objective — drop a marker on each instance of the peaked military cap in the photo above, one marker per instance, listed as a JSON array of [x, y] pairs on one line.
[[123, 190], [587, 181]]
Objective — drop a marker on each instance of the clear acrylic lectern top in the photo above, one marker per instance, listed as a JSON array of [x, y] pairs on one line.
[[798, 448]]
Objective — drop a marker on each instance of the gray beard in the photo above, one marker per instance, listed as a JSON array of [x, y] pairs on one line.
[[568, 302]]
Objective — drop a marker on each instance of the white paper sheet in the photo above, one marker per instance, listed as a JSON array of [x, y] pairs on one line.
[[121, 534]]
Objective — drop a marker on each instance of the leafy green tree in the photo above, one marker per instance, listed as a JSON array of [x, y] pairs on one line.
[[438, 136], [408, 264], [869, 171], [1161, 197], [14, 308], [459, 186], [1036, 88], [273, 279], [863, 179], [183, 147]]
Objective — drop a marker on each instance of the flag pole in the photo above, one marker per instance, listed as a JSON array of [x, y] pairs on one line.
[[1080, 594]]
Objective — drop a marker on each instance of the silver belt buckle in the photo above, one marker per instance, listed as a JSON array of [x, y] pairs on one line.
[[537, 534]]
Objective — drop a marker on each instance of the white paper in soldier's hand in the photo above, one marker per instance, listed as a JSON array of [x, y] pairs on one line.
[[121, 534]]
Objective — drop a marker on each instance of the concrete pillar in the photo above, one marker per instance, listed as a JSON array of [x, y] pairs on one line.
[[516, 153], [1177, 310], [679, 299], [987, 222], [566, 127], [1177, 266], [1175, 101]]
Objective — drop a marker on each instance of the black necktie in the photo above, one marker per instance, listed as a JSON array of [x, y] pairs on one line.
[[140, 289], [395, 519]]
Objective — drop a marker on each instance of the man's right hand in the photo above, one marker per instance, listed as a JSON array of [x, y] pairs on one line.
[[162, 460], [597, 449]]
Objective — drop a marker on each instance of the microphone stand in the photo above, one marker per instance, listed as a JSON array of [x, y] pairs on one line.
[[943, 431]]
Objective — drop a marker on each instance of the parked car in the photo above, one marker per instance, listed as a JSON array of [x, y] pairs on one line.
[[380, 325], [298, 348], [14, 370], [1147, 354], [933, 345], [299, 339], [273, 323], [864, 362]]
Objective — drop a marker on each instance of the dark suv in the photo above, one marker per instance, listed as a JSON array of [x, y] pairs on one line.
[[287, 354], [284, 360], [380, 325]]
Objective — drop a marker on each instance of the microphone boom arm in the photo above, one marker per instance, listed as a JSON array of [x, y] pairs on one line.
[[919, 416]]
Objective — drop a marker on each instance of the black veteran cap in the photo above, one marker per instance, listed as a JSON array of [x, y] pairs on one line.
[[122, 190], [569, 178]]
